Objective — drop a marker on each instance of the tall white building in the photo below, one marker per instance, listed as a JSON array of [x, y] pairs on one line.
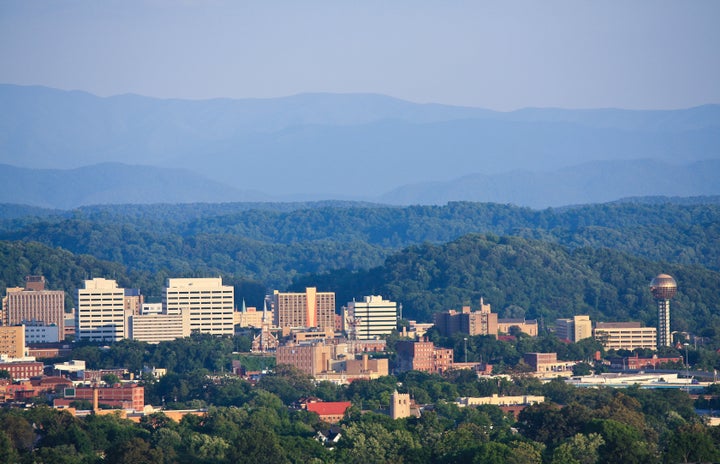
[[371, 318], [210, 304], [100, 312]]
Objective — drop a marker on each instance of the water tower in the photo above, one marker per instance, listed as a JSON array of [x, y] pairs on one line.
[[663, 288]]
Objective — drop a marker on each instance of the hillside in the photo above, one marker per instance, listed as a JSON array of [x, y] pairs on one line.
[[531, 279], [274, 243]]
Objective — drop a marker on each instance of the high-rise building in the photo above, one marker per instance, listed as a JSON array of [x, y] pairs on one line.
[[371, 318], [100, 311], [211, 303], [35, 303], [309, 309], [663, 288], [575, 329]]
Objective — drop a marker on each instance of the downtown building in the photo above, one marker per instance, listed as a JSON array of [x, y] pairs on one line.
[[575, 329], [36, 305], [482, 322], [209, 303], [370, 319], [625, 335], [304, 310], [100, 312]]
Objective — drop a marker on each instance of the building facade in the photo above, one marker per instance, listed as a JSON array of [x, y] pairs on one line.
[[210, 303], [100, 312], [156, 328], [308, 309], [312, 359], [483, 322], [575, 329], [399, 405], [34, 303], [422, 356], [39, 332], [23, 369], [371, 318], [12, 341], [625, 335], [529, 327]]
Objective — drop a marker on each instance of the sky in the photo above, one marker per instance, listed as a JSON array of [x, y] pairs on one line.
[[500, 55]]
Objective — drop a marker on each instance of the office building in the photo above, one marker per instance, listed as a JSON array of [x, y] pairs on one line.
[[156, 328], [625, 335], [528, 327], [211, 304], [483, 322], [308, 309], [422, 356], [35, 303], [12, 341], [39, 332], [100, 311], [372, 318], [575, 329]]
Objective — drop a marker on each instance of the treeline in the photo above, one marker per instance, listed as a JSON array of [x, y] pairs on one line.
[[273, 243]]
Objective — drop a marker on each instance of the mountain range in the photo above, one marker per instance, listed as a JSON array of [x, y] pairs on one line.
[[64, 149]]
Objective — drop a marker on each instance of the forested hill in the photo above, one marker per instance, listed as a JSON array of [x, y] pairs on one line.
[[532, 279], [274, 243]]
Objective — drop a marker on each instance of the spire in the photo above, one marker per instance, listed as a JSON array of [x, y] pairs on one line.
[[243, 308], [264, 318]]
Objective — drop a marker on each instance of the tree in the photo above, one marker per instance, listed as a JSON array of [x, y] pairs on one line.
[[692, 443], [582, 368], [110, 379], [133, 451], [579, 449]]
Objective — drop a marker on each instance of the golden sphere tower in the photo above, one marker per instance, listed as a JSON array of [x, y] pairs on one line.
[[663, 287]]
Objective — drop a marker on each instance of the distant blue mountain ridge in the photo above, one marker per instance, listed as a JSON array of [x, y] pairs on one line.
[[64, 149]]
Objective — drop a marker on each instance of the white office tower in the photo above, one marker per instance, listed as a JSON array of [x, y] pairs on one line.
[[100, 312], [210, 304], [371, 318]]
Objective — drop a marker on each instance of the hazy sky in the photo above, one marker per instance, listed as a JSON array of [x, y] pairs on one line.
[[495, 54]]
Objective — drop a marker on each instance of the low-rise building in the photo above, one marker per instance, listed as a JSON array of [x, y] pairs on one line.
[[329, 411], [547, 363], [130, 396], [637, 363], [23, 369], [527, 326], [625, 335]]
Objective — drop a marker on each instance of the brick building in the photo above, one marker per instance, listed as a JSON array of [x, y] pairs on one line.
[[422, 356]]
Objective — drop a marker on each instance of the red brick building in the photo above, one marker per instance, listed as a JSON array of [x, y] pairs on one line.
[[23, 369], [124, 397], [422, 356]]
